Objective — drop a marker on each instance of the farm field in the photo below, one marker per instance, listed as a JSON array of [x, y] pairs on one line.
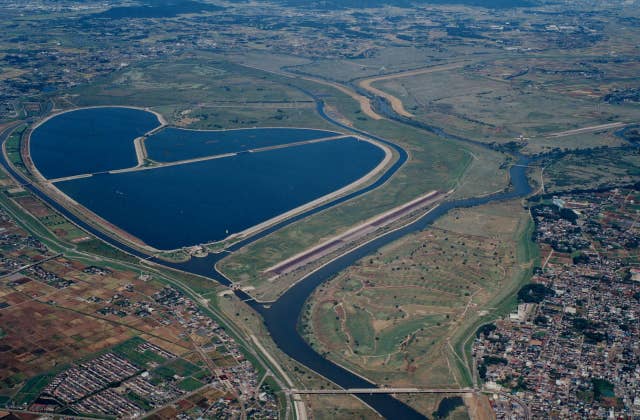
[[92, 314], [396, 317]]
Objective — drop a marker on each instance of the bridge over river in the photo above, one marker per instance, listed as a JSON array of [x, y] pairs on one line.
[[383, 391]]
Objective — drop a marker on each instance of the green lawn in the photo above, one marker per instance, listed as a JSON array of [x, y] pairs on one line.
[[98, 247], [32, 388], [178, 367], [190, 384]]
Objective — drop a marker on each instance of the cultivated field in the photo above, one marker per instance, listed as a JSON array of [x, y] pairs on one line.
[[73, 322]]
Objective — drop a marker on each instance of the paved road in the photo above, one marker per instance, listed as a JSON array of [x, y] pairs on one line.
[[384, 391]]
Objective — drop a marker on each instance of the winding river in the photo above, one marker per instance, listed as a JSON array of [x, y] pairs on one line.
[[281, 318]]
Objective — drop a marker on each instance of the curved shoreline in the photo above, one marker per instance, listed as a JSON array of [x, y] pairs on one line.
[[119, 233], [161, 120], [69, 203]]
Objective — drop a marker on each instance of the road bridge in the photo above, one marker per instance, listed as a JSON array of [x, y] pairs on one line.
[[384, 391]]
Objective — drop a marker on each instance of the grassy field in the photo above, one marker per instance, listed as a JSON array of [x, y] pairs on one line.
[[331, 407], [395, 316], [434, 163], [491, 101], [203, 94], [32, 388], [12, 146]]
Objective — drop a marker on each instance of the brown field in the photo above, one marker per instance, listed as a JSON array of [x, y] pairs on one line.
[[33, 206], [331, 407], [499, 100], [40, 337], [47, 327]]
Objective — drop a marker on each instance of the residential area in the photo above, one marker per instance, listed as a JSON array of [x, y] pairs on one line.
[[113, 342], [571, 348]]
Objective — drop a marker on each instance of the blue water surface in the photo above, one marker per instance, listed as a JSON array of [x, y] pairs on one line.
[[188, 204], [172, 144], [89, 140]]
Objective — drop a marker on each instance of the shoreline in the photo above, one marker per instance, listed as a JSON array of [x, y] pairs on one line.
[[319, 201], [161, 120]]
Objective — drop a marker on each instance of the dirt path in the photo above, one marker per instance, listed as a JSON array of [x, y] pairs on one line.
[[395, 102], [588, 129], [141, 150]]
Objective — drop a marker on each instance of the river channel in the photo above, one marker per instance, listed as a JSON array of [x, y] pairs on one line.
[[281, 318]]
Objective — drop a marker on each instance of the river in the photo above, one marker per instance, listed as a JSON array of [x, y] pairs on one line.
[[281, 318]]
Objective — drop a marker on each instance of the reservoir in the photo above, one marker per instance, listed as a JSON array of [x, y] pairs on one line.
[[170, 207], [89, 140], [174, 206], [173, 144]]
